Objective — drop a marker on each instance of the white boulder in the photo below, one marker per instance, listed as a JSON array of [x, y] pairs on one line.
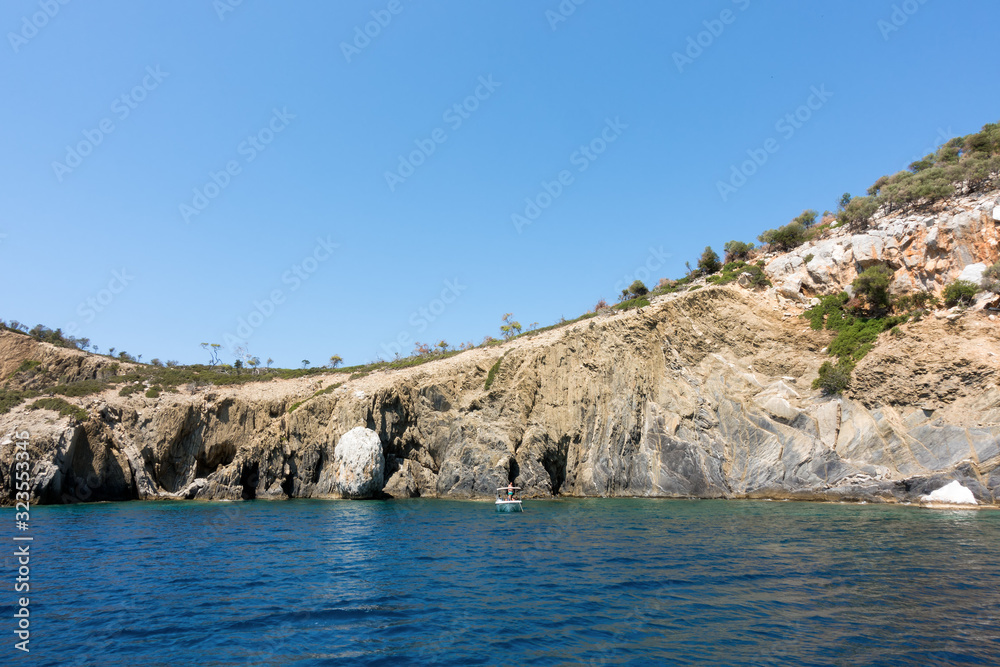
[[951, 494], [973, 273], [791, 288], [359, 464]]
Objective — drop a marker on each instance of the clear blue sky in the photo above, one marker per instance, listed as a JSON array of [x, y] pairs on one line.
[[199, 82]]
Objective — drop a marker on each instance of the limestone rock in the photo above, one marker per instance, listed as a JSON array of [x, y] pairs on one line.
[[951, 494], [701, 394], [359, 464], [403, 483], [973, 273], [791, 288]]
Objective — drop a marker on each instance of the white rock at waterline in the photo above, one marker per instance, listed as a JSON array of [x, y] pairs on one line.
[[951, 494], [359, 464]]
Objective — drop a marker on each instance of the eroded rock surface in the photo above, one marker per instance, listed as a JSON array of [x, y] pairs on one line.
[[701, 394], [927, 250]]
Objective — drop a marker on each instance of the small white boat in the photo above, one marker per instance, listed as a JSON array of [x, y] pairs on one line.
[[509, 499]]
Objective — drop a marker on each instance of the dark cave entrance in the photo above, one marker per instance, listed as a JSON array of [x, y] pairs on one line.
[[554, 462], [513, 471], [249, 480]]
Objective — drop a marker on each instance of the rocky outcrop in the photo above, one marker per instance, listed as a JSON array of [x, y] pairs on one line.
[[358, 466], [927, 250], [701, 394], [62, 365]]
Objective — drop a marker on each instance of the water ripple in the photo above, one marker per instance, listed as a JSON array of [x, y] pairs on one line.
[[598, 582]]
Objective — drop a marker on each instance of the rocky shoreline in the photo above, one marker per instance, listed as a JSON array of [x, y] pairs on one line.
[[703, 394]]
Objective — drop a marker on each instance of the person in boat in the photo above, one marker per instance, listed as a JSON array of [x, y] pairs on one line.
[[510, 491]]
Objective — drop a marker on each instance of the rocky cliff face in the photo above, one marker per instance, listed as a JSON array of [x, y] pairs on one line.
[[702, 394], [927, 250]]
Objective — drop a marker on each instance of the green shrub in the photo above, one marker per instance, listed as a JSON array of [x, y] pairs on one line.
[[130, 389], [27, 365], [154, 392], [788, 237], [82, 388], [960, 292], [833, 379], [917, 301], [11, 399], [638, 288], [873, 285], [808, 258], [855, 336], [632, 303], [492, 375], [856, 339], [991, 279], [730, 272], [827, 312], [61, 406], [757, 276]]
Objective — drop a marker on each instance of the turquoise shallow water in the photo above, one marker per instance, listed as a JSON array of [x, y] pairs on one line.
[[574, 581]]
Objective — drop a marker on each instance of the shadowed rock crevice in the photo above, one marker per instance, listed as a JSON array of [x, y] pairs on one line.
[[249, 479]]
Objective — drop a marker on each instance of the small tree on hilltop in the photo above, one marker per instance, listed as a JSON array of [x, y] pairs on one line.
[[213, 350], [807, 218], [335, 361], [510, 328], [637, 289], [709, 263], [844, 200], [737, 251], [873, 285], [858, 212], [442, 346], [787, 237], [305, 363]]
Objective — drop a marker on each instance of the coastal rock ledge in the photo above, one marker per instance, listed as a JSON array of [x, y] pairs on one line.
[[705, 393]]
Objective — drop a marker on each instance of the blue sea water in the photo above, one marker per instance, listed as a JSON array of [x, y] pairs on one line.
[[598, 581]]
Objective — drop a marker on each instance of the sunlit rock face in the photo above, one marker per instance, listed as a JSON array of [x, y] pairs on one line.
[[706, 393], [926, 251]]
